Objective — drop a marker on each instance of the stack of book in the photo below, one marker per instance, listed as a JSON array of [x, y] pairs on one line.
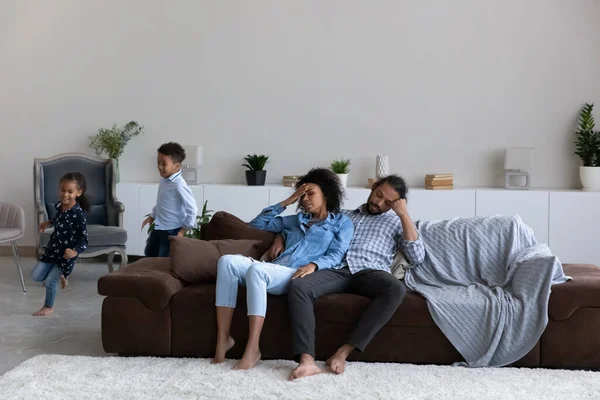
[[439, 181], [290, 180]]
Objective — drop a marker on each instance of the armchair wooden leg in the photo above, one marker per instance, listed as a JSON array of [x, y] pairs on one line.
[[111, 256], [124, 260], [15, 250]]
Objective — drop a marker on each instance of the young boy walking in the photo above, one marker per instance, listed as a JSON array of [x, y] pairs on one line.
[[176, 209]]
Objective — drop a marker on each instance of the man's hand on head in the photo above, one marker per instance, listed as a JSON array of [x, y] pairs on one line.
[[400, 208]]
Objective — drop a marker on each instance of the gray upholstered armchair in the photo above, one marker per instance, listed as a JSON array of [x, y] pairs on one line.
[[105, 220]]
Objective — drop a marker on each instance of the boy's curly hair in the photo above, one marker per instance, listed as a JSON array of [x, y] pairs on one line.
[[173, 150], [330, 185]]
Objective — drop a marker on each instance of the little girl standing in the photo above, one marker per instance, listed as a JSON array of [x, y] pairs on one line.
[[67, 241]]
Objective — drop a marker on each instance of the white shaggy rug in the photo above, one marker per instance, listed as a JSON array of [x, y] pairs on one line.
[[78, 377]]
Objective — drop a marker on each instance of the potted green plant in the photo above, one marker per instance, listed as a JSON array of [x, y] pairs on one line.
[[193, 233], [111, 142], [341, 168], [256, 173], [587, 147], [203, 218]]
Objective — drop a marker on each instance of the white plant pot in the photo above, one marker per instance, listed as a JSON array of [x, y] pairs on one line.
[[343, 179], [590, 178]]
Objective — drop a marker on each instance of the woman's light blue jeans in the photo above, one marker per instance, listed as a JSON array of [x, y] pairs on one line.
[[259, 277], [51, 274]]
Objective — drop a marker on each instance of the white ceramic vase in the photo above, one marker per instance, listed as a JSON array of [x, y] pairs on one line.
[[590, 178], [343, 179], [382, 167]]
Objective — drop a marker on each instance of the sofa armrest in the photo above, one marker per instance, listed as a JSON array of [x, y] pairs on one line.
[[148, 280]]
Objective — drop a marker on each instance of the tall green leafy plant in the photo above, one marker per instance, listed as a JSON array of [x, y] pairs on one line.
[[111, 141], [587, 144], [255, 162]]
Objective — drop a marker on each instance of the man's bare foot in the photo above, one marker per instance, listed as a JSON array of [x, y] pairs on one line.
[[249, 359], [306, 367], [337, 362], [223, 346], [43, 311], [63, 282]]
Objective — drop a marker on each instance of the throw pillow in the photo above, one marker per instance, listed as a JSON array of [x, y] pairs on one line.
[[399, 265], [195, 261], [227, 226]]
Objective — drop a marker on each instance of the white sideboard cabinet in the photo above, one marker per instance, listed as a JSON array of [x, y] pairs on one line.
[[568, 220]]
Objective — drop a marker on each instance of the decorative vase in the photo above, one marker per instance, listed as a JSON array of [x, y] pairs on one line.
[[343, 179], [116, 166], [382, 167], [590, 178], [256, 178]]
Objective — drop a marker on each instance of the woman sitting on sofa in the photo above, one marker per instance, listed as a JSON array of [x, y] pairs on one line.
[[316, 238]]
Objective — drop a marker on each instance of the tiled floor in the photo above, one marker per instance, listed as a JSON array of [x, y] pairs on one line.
[[73, 328]]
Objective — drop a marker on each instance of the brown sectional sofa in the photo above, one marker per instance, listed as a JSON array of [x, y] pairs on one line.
[[165, 307]]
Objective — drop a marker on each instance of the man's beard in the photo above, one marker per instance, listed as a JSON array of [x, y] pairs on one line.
[[373, 209]]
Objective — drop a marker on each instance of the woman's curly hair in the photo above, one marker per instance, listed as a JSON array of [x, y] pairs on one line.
[[330, 185]]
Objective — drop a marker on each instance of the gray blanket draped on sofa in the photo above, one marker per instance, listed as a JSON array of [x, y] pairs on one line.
[[487, 283]]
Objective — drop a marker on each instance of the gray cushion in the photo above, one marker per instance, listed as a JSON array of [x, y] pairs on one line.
[[98, 236], [9, 234]]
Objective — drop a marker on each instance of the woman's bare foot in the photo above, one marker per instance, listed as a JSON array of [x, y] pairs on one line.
[[306, 367], [63, 282], [223, 346], [337, 362], [43, 311], [249, 359]]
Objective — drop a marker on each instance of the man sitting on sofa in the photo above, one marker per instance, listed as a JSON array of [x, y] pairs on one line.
[[381, 227]]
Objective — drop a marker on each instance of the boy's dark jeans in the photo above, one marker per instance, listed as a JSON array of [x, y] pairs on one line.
[[157, 244]]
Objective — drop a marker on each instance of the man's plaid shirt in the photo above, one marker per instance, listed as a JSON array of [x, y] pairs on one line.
[[376, 240]]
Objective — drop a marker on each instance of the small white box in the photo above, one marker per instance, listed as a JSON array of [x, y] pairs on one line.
[[193, 156], [191, 164], [518, 158]]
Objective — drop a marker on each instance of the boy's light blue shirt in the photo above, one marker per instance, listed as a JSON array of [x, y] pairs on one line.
[[325, 243], [175, 204]]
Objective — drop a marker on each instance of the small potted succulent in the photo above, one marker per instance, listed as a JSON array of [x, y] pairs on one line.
[[587, 147], [256, 173], [341, 167]]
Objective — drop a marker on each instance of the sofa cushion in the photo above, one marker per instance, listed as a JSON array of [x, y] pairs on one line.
[[195, 261], [343, 308], [148, 280], [98, 236], [583, 291], [227, 226]]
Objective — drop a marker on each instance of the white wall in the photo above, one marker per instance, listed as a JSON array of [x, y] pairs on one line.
[[438, 85]]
